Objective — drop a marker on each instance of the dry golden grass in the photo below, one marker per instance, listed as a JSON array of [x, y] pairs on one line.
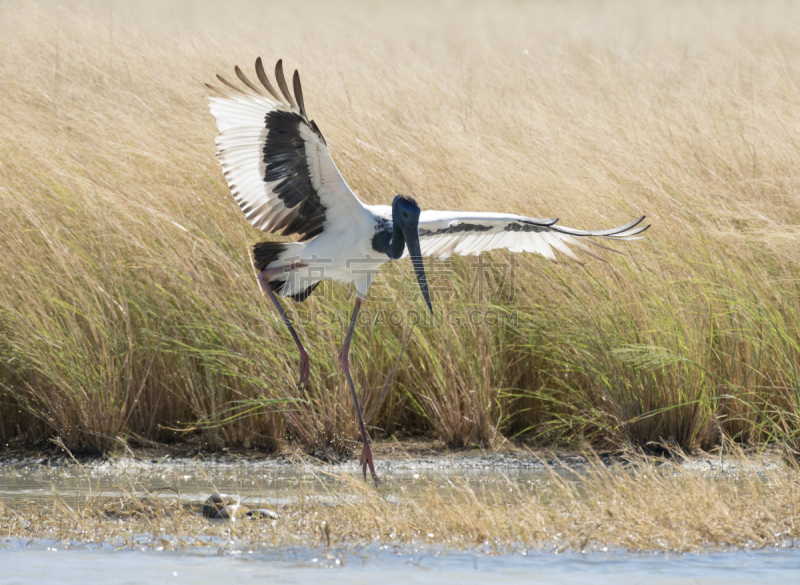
[[128, 303], [644, 505]]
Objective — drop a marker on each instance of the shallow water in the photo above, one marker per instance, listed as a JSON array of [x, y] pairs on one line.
[[50, 563], [266, 482]]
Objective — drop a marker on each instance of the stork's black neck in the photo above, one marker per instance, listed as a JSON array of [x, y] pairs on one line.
[[389, 240]]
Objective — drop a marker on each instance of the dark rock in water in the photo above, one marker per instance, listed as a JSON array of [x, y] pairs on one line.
[[231, 511], [263, 513], [215, 503]]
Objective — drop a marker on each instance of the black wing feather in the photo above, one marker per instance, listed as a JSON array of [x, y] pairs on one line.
[[282, 83], [262, 77]]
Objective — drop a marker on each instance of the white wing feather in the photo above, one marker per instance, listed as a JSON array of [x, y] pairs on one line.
[[444, 233]]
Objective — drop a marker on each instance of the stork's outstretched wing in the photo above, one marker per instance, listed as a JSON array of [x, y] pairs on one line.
[[275, 159], [443, 233]]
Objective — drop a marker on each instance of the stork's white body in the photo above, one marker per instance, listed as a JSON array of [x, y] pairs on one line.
[[346, 257]]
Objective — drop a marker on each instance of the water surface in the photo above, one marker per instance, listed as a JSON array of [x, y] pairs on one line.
[[44, 562], [269, 481]]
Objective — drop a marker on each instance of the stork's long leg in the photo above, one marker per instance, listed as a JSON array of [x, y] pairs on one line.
[[344, 360], [305, 364]]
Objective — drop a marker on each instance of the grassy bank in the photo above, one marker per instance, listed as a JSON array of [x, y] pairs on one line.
[[128, 303], [640, 505]]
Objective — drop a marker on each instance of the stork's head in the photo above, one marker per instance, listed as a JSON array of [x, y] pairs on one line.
[[405, 218], [405, 211]]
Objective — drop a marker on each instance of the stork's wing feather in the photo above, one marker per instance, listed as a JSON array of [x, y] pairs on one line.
[[275, 159], [443, 233]]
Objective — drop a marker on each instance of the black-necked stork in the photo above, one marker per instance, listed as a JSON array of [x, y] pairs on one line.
[[281, 174]]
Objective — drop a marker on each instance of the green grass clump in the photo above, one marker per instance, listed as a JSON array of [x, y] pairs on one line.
[[129, 304]]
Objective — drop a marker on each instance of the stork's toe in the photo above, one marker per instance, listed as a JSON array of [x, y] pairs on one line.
[[366, 461]]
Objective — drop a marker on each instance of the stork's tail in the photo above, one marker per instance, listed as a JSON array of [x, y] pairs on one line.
[[265, 253], [287, 283]]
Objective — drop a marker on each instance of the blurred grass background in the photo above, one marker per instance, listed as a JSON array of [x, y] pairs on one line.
[[128, 303]]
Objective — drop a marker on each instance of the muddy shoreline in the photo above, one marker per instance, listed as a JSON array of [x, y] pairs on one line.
[[388, 455], [391, 456]]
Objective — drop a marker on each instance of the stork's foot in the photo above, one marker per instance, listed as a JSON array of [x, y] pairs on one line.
[[366, 460], [305, 370]]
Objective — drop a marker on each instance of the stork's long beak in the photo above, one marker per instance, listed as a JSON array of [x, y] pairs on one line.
[[412, 241]]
